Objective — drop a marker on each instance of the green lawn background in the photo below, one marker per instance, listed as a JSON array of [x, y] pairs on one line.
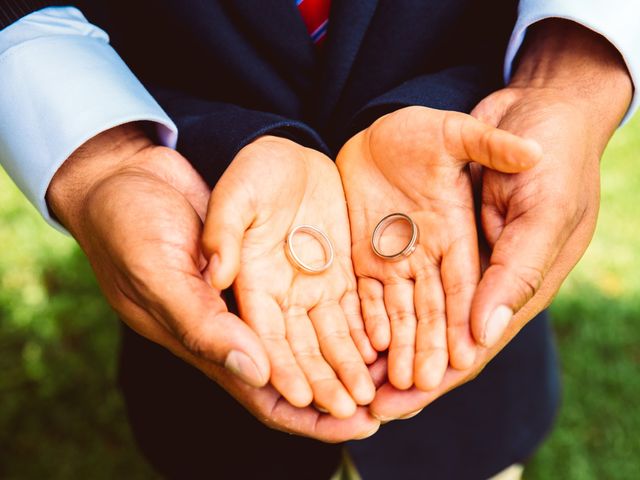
[[61, 416]]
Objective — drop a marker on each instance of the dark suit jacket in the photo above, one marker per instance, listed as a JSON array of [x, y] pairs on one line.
[[229, 71]]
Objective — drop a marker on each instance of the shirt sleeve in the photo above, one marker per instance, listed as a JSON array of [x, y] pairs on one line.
[[62, 84], [616, 20]]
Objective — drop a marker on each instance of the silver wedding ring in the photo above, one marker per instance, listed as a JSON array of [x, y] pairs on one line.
[[382, 225], [321, 237]]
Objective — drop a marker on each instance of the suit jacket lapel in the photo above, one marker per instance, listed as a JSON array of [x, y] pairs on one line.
[[348, 23]]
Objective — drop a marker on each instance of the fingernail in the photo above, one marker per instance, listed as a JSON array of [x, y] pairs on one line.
[[319, 408], [382, 419], [496, 325], [212, 266], [369, 433], [243, 366], [410, 415]]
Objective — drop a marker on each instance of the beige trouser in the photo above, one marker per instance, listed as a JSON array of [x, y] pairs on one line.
[[347, 471]]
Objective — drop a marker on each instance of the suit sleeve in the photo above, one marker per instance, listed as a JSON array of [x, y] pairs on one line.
[[457, 88], [461, 88], [52, 63], [212, 133], [12, 10], [62, 84], [615, 20]]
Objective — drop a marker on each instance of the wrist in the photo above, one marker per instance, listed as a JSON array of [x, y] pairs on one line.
[[566, 58], [97, 159]]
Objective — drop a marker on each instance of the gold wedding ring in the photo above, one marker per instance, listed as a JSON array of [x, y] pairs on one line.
[[321, 237], [407, 250]]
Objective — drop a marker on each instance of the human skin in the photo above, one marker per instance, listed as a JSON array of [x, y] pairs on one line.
[[310, 324], [569, 93], [136, 210], [416, 161], [567, 77]]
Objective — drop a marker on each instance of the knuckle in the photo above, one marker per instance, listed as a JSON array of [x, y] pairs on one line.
[[402, 316], [425, 273], [428, 352], [273, 338], [308, 352], [527, 281], [431, 318], [335, 335], [369, 298], [403, 346], [350, 365], [194, 340], [283, 361], [451, 131], [368, 294], [459, 288], [375, 318], [358, 334], [324, 381], [486, 142]]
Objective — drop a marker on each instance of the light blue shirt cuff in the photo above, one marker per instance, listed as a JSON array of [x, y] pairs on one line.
[[58, 91], [616, 20]]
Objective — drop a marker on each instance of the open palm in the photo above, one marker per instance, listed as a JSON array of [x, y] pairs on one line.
[[137, 212], [415, 161], [310, 324]]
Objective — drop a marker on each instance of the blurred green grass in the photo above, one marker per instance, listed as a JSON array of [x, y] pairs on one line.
[[597, 322], [61, 415]]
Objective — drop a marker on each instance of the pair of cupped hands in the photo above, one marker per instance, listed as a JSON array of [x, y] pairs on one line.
[[305, 344], [305, 353], [315, 334]]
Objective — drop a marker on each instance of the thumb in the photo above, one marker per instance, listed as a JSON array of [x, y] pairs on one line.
[[521, 257], [198, 317], [229, 215], [467, 138]]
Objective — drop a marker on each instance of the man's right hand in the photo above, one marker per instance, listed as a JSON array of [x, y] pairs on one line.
[[415, 161], [136, 209]]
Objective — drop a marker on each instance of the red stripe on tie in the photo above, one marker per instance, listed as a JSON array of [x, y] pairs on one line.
[[315, 14]]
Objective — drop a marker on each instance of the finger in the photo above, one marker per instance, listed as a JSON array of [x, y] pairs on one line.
[[492, 109], [521, 257], [341, 353], [229, 215], [270, 407], [198, 317], [309, 422], [432, 355], [378, 371], [264, 315], [376, 320], [460, 275], [398, 298], [328, 393], [391, 403], [467, 138], [350, 305]]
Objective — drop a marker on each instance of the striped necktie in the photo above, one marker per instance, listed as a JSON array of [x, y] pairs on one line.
[[315, 14]]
